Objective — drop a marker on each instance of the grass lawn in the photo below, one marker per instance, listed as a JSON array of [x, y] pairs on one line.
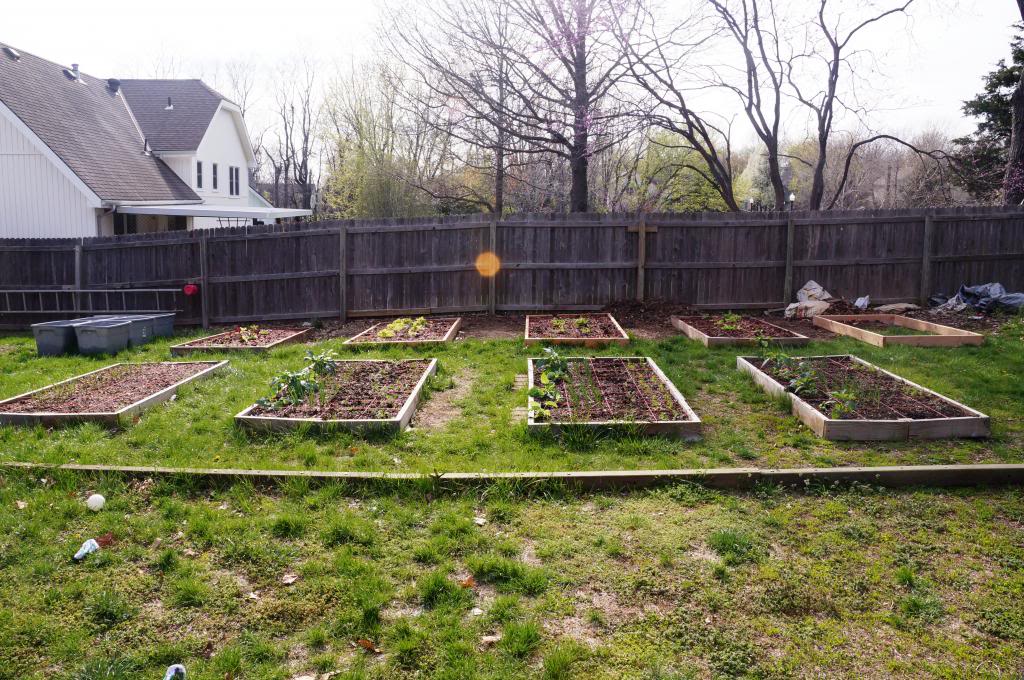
[[474, 418], [682, 582]]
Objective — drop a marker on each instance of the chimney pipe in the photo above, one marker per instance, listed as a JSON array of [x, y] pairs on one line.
[[170, 106], [74, 70], [114, 84]]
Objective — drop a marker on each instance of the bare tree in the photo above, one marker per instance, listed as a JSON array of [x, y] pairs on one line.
[[1013, 182], [292, 151]]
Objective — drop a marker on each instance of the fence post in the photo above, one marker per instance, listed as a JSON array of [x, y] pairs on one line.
[[342, 274], [493, 279], [204, 275], [641, 258], [78, 275], [926, 260], [787, 286]]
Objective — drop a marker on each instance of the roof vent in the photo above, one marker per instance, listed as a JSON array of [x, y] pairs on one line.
[[170, 106], [12, 53], [114, 84], [73, 73]]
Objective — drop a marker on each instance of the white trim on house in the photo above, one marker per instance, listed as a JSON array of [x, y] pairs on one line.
[[91, 196], [213, 211]]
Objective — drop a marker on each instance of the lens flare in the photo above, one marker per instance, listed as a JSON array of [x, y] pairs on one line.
[[488, 264]]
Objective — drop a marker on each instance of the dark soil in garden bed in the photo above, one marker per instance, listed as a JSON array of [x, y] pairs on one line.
[[872, 395], [651, 319], [575, 326], [359, 390], [108, 391], [744, 327], [610, 389], [407, 329], [246, 337]]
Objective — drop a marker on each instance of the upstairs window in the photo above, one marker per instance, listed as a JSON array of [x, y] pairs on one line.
[[214, 176], [234, 181], [199, 174]]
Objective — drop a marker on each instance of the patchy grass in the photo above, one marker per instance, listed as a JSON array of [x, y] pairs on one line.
[[837, 582], [475, 424]]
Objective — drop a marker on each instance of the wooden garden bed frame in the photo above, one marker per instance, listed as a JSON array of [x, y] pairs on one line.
[[689, 430], [788, 338], [942, 336], [975, 425], [396, 424], [456, 324], [108, 418], [621, 339], [196, 346]]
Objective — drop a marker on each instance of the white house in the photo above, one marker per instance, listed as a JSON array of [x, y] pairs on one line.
[[81, 156]]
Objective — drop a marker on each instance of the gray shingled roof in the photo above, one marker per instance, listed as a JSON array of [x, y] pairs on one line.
[[180, 128], [90, 128]]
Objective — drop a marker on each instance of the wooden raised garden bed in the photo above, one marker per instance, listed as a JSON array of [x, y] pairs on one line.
[[884, 330], [603, 392], [360, 395], [105, 396], [247, 338], [588, 330], [719, 331], [848, 399], [407, 331]]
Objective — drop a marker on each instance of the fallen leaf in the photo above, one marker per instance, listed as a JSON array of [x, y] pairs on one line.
[[106, 539], [21, 505], [488, 640], [254, 595], [480, 521], [368, 645], [468, 582], [289, 578]]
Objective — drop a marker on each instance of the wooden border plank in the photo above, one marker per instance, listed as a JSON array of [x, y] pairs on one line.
[[940, 336]]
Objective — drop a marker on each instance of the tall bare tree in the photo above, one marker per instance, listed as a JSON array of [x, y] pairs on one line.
[[1013, 182], [292, 151]]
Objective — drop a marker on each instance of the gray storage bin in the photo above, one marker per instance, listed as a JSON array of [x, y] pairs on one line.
[[163, 324], [103, 336], [141, 330], [54, 338]]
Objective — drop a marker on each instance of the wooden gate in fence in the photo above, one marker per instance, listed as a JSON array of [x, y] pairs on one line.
[[419, 266]]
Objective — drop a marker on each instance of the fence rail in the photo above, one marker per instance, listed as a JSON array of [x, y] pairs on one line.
[[366, 268]]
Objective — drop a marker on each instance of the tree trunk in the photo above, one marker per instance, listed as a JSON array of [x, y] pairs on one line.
[[578, 164], [499, 178], [578, 153], [1013, 181]]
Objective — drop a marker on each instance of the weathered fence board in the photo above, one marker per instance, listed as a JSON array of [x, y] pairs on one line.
[[418, 266]]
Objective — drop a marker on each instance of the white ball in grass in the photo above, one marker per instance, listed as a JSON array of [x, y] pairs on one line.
[[95, 502]]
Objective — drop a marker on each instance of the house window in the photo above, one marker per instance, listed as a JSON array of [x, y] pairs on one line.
[[234, 183], [214, 176], [199, 174], [125, 224], [177, 223]]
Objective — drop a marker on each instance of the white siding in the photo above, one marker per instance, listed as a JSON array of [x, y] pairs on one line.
[[221, 145], [36, 198]]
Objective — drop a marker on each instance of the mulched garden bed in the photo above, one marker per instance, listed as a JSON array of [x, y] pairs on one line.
[[734, 330], [851, 399], [106, 394], [356, 395], [575, 329], [254, 338], [408, 330], [603, 391]]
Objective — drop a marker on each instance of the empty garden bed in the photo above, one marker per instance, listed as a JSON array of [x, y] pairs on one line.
[[735, 330], [588, 330], [352, 395], [601, 392], [846, 398], [408, 331], [249, 338], [883, 330], [104, 396]]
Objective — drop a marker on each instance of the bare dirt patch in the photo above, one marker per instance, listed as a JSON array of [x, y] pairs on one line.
[[649, 320], [442, 407], [246, 336], [493, 326]]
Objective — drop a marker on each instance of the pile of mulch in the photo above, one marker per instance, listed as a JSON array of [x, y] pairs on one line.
[[573, 326], [744, 327], [359, 390], [233, 338], [613, 389], [107, 391], [435, 329], [876, 396], [650, 319]]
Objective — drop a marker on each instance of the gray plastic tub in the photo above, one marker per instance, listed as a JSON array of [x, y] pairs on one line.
[[141, 330], [54, 338], [105, 336], [163, 324]]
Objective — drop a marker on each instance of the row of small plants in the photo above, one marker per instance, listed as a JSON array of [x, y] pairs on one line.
[[802, 379], [292, 388], [552, 369], [582, 324], [403, 326]]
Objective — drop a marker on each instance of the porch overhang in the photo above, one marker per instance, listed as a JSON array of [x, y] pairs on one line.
[[244, 212]]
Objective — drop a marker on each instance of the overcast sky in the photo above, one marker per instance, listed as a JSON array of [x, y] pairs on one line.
[[928, 64]]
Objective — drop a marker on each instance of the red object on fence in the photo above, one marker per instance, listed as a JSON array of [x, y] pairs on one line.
[[190, 289]]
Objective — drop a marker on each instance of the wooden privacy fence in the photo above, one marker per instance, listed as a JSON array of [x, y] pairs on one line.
[[419, 266]]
